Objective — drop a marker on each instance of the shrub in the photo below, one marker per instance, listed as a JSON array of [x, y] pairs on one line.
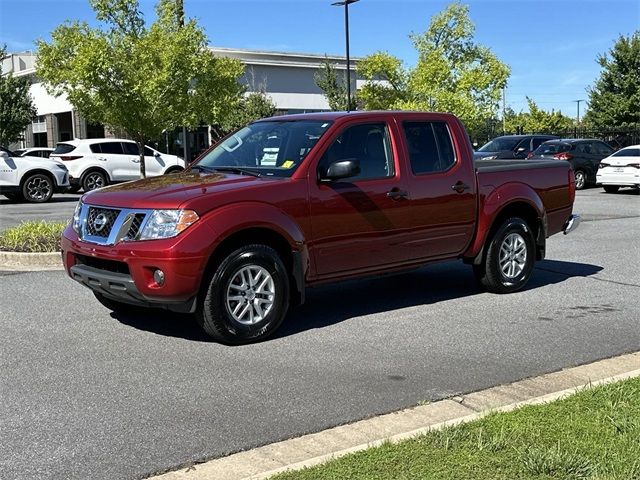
[[38, 236]]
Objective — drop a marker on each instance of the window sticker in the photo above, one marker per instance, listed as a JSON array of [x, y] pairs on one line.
[[288, 164]]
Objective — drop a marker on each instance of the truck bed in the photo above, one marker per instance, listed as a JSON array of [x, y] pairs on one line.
[[486, 166]]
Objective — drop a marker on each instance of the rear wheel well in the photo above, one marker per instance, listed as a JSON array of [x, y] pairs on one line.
[[173, 169], [250, 236], [95, 169], [520, 210]]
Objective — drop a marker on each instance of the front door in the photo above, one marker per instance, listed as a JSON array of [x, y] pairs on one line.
[[357, 221]]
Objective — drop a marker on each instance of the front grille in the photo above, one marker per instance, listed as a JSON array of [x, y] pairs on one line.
[[100, 221], [102, 264], [134, 229]]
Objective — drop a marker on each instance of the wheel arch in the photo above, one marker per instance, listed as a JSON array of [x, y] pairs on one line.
[[522, 202], [94, 168], [265, 225], [36, 171]]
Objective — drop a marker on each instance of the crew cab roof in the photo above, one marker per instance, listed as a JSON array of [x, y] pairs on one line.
[[332, 116]]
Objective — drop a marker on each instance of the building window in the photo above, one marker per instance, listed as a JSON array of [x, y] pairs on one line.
[[39, 124]]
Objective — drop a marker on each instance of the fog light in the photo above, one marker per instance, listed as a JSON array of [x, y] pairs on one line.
[[158, 276]]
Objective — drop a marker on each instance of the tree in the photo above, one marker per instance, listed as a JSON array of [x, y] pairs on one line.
[[141, 79], [614, 99], [453, 73], [252, 107], [334, 89], [16, 106], [537, 120]]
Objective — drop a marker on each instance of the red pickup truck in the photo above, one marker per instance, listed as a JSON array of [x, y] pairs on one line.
[[293, 201]]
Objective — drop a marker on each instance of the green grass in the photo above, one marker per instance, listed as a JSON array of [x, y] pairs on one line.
[[594, 434], [33, 237]]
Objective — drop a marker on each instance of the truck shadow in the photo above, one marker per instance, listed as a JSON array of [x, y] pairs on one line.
[[425, 286], [331, 304]]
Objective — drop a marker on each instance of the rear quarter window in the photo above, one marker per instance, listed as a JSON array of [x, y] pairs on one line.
[[63, 148], [627, 152]]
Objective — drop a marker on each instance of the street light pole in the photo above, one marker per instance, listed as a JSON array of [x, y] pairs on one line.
[[346, 4], [578, 102]]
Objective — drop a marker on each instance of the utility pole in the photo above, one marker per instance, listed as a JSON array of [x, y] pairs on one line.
[[504, 111], [346, 4], [185, 142]]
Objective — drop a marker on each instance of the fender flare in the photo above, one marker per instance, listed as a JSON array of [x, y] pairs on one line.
[[499, 201]]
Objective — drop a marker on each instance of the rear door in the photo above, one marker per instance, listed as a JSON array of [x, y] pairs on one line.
[[154, 165], [442, 189], [117, 163], [358, 223]]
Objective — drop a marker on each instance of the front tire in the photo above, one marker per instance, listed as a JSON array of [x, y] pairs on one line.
[[246, 298], [510, 258], [581, 179], [37, 188], [611, 188]]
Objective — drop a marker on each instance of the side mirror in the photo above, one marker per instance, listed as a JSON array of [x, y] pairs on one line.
[[349, 167], [157, 154]]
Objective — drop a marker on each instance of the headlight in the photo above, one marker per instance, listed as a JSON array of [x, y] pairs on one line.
[[62, 167], [167, 223], [76, 223], [603, 165]]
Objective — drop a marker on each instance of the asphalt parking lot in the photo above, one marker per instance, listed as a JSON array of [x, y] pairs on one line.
[[85, 393], [59, 209]]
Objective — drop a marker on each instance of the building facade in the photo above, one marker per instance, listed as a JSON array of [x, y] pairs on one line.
[[287, 78]]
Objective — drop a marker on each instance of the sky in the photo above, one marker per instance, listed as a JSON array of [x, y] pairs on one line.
[[550, 45]]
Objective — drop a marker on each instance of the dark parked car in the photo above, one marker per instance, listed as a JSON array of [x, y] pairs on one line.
[[511, 146], [584, 155]]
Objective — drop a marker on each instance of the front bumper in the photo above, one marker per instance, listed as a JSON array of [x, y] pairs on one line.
[[571, 224], [122, 288], [124, 272]]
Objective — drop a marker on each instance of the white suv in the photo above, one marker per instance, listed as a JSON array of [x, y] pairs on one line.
[[34, 179], [96, 162]]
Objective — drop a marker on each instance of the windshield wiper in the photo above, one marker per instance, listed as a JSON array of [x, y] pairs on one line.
[[239, 170]]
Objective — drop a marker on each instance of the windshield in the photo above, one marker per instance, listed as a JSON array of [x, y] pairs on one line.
[[499, 145], [552, 148], [274, 148]]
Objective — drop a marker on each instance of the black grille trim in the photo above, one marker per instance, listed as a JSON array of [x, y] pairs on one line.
[[94, 212], [134, 229], [102, 264]]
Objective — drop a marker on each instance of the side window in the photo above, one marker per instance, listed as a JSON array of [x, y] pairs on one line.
[[147, 152], [538, 141], [114, 148], [95, 148], [603, 149], [526, 144], [369, 144], [430, 147], [130, 148]]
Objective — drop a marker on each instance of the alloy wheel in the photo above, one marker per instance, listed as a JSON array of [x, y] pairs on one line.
[[250, 294], [513, 256]]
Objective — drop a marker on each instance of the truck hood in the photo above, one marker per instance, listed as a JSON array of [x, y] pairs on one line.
[[170, 191]]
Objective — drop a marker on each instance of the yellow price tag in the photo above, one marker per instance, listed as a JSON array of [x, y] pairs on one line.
[[287, 164]]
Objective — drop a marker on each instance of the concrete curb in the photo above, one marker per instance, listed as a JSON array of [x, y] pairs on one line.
[[316, 448], [30, 261]]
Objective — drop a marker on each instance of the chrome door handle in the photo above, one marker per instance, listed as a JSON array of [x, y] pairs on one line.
[[460, 187], [135, 160], [397, 194]]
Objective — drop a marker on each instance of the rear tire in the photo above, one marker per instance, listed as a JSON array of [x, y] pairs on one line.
[[611, 188], [581, 179], [247, 297], [172, 170], [93, 180], [37, 188], [509, 259]]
